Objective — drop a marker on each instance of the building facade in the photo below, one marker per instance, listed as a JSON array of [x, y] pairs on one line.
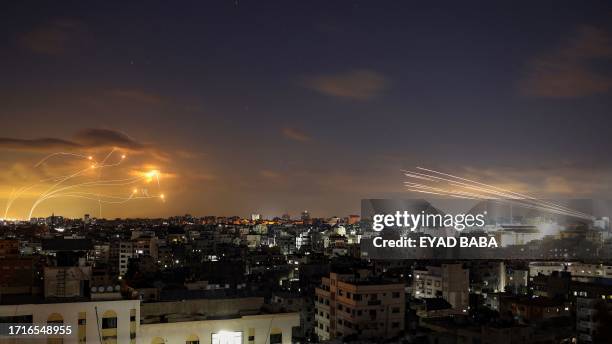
[[448, 281], [347, 305]]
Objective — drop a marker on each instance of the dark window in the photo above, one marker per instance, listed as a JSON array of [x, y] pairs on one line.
[[396, 295], [109, 322], [276, 338], [251, 338], [395, 310], [395, 325]]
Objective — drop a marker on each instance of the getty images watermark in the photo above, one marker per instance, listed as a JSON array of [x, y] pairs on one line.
[[485, 229], [412, 222]]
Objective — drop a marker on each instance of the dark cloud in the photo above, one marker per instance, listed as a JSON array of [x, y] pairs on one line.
[[55, 37], [570, 70], [357, 84], [295, 134], [42, 144], [84, 139], [106, 137]]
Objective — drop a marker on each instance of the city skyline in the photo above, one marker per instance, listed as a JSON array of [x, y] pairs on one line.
[[243, 107], [276, 172]]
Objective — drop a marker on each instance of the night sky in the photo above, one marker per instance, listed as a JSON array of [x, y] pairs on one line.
[[280, 106]]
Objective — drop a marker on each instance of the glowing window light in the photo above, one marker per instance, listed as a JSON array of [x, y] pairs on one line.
[[227, 337]]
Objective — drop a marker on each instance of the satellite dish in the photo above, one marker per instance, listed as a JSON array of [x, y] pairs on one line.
[[93, 289], [100, 289], [109, 288], [117, 287]]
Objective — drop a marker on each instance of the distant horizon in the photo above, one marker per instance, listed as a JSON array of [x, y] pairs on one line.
[[166, 217]]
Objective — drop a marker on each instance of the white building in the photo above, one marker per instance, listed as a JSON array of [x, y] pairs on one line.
[[112, 322], [91, 322]]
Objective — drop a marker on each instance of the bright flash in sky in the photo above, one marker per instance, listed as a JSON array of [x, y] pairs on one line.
[[151, 174]]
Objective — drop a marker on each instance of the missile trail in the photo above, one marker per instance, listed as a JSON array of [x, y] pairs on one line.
[[455, 186], [78, 184]]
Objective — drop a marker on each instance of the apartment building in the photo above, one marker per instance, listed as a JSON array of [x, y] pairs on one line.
[[590, 318], [348, 304], [448, 281]]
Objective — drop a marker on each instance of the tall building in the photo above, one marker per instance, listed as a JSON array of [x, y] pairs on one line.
[[126, 251], [145, 246], [591, 316], [305, 216], [367, 307], [448, 281]]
